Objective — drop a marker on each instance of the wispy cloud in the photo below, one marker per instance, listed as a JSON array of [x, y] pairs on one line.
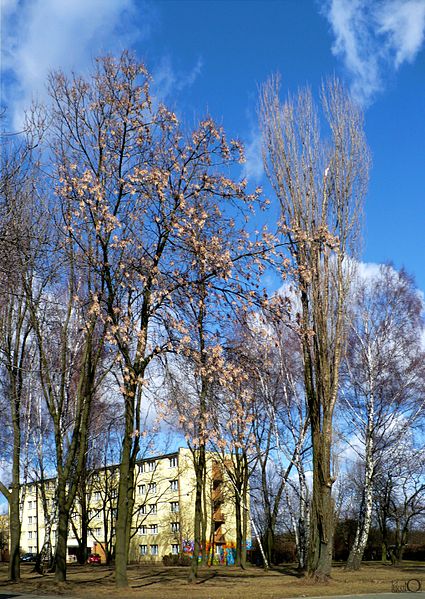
[[374, 38], [40, 35], [253, 168], [167, 80]]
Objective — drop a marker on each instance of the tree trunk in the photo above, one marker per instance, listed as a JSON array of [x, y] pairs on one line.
[[46, 550], [321, 523], [199, 463], [300, 525], [244, 516], [384, 552], [123, 516], [204, 525], [365, 518], [244, 539], [82, 543], [15, 533], [303, 521], [365, 515], [14, 496], [269, 543], [15, 389], [398, 552], [61, 546], [401, 538], [238, 514]]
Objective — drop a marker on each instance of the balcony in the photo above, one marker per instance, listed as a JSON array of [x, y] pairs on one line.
[[219, 538], [218, 516], [217, 473], [217, 495]]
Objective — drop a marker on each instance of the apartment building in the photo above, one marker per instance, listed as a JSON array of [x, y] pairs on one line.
[[163, 513]]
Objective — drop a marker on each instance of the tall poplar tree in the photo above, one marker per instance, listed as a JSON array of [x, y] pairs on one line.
[[320, 182]]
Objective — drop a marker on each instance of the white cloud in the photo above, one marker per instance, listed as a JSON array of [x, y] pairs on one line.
[[253, 168], [403, 22], [368, 271], [372, 37], [167, 80], [41, 35]]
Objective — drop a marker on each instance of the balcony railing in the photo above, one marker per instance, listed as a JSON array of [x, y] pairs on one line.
[[217, 495], [217, 474], [219, 538]]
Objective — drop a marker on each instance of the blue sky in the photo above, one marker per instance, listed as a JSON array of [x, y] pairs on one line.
[[210, 56]]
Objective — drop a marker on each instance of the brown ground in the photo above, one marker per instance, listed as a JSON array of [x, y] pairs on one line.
[[156, 582]]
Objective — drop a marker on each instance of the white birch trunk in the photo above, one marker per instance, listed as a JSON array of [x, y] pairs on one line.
[[365, 515]]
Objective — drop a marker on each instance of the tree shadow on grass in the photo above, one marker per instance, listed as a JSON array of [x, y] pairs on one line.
[[90, 581], [210, 576], [161, 576], [289, 571]]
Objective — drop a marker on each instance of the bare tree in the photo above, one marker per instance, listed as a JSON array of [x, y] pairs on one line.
[[18, 256], [383, 378], [320, 183], [43, 467], [67, 328], [399, 497], [293, 434], [281, 420]]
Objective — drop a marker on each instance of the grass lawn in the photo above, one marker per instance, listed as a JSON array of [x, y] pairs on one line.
[[156, 582]]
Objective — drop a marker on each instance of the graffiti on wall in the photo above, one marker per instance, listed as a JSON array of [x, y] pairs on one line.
[[224, 554]]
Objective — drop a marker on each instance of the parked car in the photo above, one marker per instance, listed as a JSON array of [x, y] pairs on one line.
[[94, 558], [28, 557]]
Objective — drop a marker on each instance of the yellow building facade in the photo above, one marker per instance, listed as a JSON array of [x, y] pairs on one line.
[[163, 514]]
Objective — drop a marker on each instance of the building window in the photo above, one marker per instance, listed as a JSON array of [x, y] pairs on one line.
[[114, 493], [173, 462], [154, 529], [96, 495], [175, 549], [142, 489], [29, 519], [143, 529], [175, 526], [174, 506], [147, 466], [153, 509], [30, 505], [143, 549], [96, 532], [29, 534], [152, 488], [154, 549], [174, 485], [143, 509]]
